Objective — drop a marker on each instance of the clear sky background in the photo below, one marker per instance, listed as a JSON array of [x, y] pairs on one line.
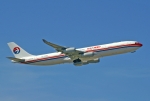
[[77, 23]]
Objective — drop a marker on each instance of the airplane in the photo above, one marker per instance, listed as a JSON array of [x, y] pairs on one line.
[[77, 56]]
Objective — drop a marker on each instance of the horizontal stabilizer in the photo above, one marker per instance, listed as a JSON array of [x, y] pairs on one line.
[[16, 59]]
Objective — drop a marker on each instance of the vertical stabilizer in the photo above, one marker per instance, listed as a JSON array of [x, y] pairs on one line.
[[17, 50]]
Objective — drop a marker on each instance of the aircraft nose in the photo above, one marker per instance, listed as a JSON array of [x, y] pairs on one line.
[[138, 44]]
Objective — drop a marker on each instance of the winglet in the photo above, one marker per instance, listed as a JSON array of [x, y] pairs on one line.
[[44, 40]]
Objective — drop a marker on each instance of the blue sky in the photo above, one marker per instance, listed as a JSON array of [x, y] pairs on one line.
[[77, 23]]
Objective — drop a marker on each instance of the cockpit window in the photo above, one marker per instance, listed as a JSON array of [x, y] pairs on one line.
[[137, 43]]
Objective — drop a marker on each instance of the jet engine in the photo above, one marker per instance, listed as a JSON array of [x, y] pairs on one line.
[[94, 61], [78, 62], [88, 54], [69, 50]]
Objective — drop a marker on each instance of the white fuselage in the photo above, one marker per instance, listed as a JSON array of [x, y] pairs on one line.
[[99, 51]]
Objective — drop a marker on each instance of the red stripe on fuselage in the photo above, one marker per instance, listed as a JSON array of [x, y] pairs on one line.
[[58, 56], [52, 57], [119, 46]]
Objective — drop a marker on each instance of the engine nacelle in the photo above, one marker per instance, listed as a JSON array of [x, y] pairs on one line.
[[88, 54], [78, 64], [69, 50], [94, 61]]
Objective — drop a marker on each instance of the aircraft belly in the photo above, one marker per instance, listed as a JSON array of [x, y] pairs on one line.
[[96, 55], [51, 62]]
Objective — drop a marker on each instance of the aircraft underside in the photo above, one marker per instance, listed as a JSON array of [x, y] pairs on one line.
[[85, 60]]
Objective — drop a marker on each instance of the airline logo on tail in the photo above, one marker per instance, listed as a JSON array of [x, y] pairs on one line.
[[16, 50]]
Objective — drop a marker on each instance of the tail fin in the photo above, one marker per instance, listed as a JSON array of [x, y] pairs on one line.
[[17, 50]]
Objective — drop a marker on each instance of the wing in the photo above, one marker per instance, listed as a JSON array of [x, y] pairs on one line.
[[56, 47], [16, 59], [69, 51]]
